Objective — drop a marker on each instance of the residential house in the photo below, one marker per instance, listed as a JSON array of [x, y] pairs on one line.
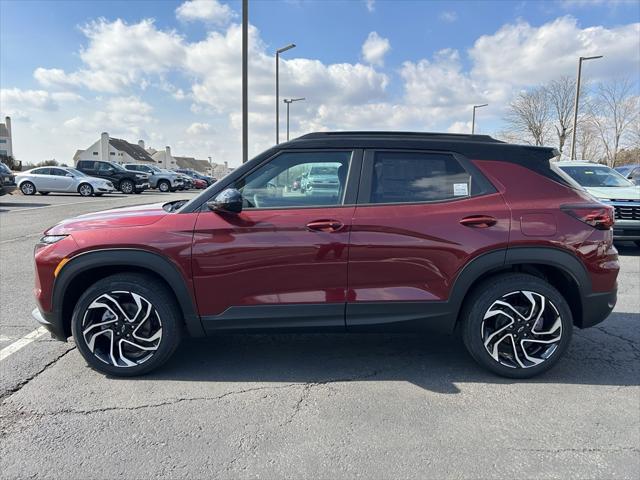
[[115, 150], [6, 144]]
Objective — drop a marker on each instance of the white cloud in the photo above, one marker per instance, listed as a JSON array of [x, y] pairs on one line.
[[448, 16], [198, 128], [520, 54], [371, 5], [210, 11], [459, 127], [375, 48], [118, 56]]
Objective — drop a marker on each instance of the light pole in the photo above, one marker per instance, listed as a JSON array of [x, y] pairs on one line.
[[575, 107], [245, 81], [278, 52], [473, 119], [289, 102]]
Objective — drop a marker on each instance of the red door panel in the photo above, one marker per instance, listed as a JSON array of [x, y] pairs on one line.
[[271, 257], [413, 252]]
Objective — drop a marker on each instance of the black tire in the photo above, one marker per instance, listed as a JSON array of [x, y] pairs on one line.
[[164, 186], [168, 317], [138, 192], [28, 188], [126, 186], [43, 193], [511, 286], [85, 190]]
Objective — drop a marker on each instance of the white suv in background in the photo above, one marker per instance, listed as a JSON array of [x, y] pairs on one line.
[[163, 180]]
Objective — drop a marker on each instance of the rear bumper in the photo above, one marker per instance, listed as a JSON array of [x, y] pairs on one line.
[[596, 307], [51, 323]]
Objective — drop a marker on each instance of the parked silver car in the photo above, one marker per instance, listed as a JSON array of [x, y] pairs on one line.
[[61, 179], [163, 180]]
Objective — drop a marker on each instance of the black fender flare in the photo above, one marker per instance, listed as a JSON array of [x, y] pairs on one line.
[[154, 262], [500, 259]]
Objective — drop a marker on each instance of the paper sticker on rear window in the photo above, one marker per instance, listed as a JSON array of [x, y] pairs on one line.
[[460, 190]]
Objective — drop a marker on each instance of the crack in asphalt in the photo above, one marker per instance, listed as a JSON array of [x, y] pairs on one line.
[[628, 341], [9, 392], [580, 450]]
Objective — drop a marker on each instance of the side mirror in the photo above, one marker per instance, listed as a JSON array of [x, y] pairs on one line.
[[227, 201]]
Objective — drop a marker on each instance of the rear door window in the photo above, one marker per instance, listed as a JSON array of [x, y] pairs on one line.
[[42, 171], [415, 177]]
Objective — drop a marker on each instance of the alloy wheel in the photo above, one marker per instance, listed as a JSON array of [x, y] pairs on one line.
[[163, 187], [28, 188], [122, 328], [85, 190], [126, 186], [522, 329]]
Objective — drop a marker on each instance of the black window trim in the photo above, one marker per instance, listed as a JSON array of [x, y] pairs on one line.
[[351, 191], [480, 185]]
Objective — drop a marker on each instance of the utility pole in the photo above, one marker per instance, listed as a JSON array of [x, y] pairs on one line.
[[289, 102], [245, 80], [473, 119], [575, 107], [278, 52]]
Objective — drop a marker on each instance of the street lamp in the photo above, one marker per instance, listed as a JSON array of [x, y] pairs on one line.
[[245, 80], [575, 108], [289, 102], [278, 52], [473, 120]]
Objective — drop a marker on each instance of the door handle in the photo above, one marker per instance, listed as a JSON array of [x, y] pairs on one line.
[[325, 225], [478, 221]]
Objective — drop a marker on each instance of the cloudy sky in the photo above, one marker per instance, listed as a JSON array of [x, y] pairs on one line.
[[168, 72]]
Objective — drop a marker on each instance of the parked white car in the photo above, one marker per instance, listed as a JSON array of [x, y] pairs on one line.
[[61, 179], [609, 187]]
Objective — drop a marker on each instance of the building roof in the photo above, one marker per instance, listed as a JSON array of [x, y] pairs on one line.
[[133, 150], [192, 163], [3, 130]]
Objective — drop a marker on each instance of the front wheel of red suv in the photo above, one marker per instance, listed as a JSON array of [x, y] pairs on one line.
[[516, 325], [126, 325]]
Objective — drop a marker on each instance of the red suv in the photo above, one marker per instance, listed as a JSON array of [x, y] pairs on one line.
[[401, 232]]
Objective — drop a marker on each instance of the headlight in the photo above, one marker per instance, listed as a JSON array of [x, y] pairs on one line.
[[50, 239]]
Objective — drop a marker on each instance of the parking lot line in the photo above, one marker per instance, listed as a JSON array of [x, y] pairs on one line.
[[23, 342]]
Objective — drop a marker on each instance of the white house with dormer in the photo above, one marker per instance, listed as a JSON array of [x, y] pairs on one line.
[[114, 150], [6, 143]]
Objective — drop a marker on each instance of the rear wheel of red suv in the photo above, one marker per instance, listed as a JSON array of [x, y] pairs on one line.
[[126, 325], [516, 325]]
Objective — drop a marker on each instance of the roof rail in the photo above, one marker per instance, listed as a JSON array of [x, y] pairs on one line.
[[425, 135]]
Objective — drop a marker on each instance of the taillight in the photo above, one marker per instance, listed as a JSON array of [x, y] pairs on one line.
[[595, 214]]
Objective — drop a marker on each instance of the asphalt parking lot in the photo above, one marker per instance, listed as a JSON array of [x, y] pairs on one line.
[[298, 406]]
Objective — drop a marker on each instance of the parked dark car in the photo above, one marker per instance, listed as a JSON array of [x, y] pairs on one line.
[[124, 180], [7, 180], [192, 173], [425, 232]]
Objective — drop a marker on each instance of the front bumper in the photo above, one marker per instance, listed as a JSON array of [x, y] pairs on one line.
[[626, 230], [49, 321], [142, 186]]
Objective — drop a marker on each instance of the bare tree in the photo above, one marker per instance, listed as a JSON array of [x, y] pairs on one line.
[[614, 111], [588, 145], [560, 97], [528, 116]]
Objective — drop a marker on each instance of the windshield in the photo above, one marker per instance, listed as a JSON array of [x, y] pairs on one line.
[[597, 176], [75, 172], [117, 166], [4, 168]]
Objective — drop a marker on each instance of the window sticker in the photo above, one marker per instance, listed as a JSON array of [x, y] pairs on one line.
[[460, 190]]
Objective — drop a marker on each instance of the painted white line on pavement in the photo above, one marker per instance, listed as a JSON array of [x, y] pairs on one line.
[[23, 342]]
